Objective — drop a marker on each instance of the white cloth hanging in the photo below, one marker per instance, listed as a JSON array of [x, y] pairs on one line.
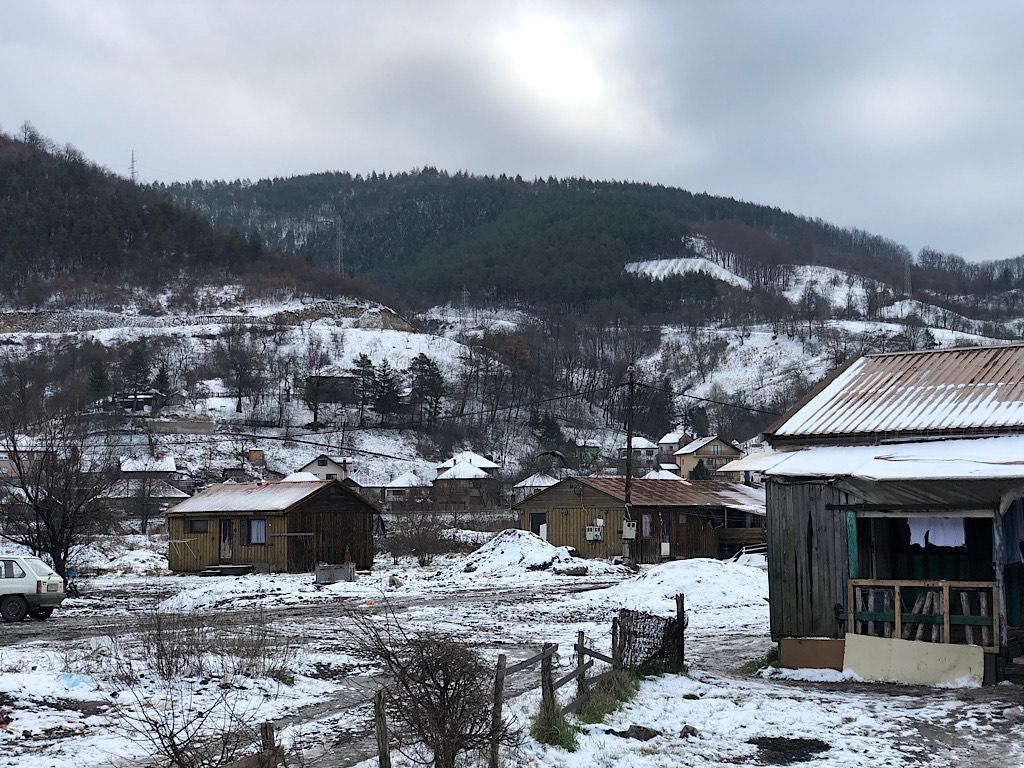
[[937, 531]]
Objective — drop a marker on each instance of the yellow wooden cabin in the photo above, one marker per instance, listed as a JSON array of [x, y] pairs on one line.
[[288, 525]]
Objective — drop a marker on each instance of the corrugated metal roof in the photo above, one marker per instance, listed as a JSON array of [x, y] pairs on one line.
[[250, 497], [680, 493], [973, 389]]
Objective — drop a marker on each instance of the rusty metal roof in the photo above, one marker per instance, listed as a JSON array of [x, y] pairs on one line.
[[975, 389], [680, 493]]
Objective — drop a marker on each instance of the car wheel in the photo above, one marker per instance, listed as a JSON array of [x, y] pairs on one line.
[[41, 614], [13, 608]]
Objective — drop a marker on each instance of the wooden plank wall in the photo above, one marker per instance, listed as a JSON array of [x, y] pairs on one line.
[[338, 520], [808, 562], [203, 549]]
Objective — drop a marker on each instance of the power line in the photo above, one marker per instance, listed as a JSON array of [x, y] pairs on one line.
[[750, 408]]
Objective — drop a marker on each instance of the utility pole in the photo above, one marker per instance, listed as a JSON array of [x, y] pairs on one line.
[[339, 235], [630, 397], [131, 169]]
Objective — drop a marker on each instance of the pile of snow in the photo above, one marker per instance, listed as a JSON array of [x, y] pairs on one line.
[[709, 585], [136, 553], [513, 553], [467, 536]]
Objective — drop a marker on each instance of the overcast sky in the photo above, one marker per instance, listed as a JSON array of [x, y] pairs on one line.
[[906, 119]]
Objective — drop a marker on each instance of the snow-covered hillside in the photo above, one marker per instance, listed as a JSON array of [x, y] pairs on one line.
[[659, 269]]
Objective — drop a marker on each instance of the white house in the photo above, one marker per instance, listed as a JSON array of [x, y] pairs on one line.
[[329, 467], [470, 458]]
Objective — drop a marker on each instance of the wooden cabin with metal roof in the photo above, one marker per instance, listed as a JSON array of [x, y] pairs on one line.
[[894, 515], [289, 525], [670, 518]]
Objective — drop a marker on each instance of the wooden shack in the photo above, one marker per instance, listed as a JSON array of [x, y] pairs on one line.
[[288, 525], [894, 506], [674, 518]]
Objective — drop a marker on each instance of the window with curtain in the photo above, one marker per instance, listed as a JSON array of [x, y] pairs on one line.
[[257, 531]]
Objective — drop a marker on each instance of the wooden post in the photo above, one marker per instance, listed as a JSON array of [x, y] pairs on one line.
[[947, 608], [547, 680], [380, 726], [965, 608], [267, 736], [850, 609], [897, 630], [616, 644], [581, 664], [681, 637], [499, 697]]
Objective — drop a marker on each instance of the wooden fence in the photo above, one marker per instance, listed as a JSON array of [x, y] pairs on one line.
[[962, 612], [549, 684]]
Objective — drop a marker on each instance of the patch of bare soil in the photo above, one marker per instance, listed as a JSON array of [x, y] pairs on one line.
[[779, 750]]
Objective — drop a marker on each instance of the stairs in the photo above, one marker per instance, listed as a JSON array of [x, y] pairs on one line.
[[228, 570]]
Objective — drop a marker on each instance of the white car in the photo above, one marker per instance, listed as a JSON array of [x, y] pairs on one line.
[[28, 587]]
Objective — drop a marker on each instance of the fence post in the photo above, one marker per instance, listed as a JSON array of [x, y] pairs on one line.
[[681, 638], [380, 725], [616, 643], [499, 697], [547, 680], [581, 664]]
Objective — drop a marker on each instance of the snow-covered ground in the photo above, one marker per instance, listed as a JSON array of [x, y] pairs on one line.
[[659, 269], [65, 703]]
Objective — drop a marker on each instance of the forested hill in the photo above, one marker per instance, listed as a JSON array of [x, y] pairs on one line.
[[71, 228], [435, 236]]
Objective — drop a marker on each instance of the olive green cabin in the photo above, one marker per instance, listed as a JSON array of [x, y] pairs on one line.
[[281, 526]]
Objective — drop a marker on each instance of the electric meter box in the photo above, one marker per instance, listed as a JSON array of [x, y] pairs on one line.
[[629, 529], [595, 533]]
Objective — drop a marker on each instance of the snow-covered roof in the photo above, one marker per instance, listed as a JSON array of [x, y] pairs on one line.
[[250, 497], [537, 480], [148, 464], [669, 467], [640, 443], [157, 489], [681, 493], [697, 444], [979, 458], [979, 388], [408, 480], [671, 438], [468, 457], [300, 477], [462, 471], [661, 474]]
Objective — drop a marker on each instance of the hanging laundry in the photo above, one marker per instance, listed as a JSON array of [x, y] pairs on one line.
[[1013, 532], [937, 531]]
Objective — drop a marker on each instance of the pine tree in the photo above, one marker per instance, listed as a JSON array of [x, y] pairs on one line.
[[549, 432], [386, 391], [366, 376], [136, 368], [162, 380], [427, 387], [99, 380]]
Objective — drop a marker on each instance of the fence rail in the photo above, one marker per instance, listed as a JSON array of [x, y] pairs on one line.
[[953, 612]]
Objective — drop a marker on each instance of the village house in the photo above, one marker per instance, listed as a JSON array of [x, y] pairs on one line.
[[464, 487], [670, 443], [709, 453], [328, 467], [895, 519], [288, 525], [471, 458], [143, 500], [535, 483], [143, 402], [670, 518], [645, 453], [407, 493]]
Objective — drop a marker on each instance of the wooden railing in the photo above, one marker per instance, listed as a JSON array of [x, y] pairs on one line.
[[959, 612]]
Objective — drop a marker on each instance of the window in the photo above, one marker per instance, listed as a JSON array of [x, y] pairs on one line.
[[256, 531], [332, 476], [41, 568], [197, 525], [716, 449], [11, 570], [321, 462]]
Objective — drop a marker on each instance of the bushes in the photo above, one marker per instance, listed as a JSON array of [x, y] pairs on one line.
[[608, 696]]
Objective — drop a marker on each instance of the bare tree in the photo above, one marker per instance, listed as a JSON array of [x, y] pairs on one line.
[[241, 358], [439, 690], [53, 493], [314, 365]]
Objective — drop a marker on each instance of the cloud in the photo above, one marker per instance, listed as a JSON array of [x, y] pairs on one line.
[[898, 118]]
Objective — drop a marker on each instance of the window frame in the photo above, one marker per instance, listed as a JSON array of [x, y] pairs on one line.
[[247, 528], [190, 525], [16, 564]]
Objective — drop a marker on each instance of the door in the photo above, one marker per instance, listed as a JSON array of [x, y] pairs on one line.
[[537, 519], [225, 541]]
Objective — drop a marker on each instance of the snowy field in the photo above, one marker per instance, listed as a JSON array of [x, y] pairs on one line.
[[65, 699]]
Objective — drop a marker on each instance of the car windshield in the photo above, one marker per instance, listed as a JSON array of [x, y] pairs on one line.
[[40, 568]]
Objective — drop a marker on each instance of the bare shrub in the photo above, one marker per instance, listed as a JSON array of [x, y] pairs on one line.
[[419, 534], [439, 691]]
